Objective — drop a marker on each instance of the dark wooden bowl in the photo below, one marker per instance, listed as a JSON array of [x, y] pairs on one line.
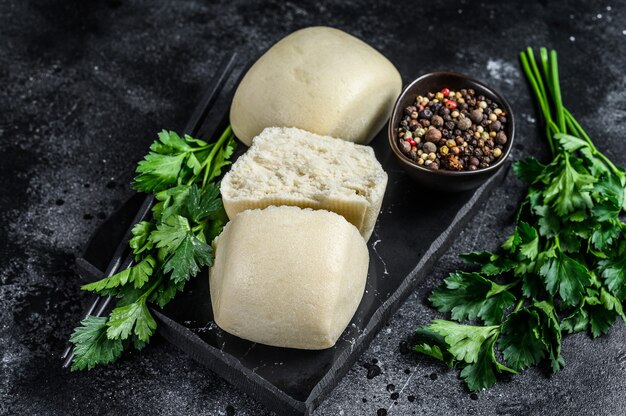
[[445, 180]]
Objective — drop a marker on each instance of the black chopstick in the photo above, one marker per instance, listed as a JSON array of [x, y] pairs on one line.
[[119, 261]]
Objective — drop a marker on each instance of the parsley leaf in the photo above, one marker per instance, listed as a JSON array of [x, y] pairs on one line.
[[606, 210], [469, 295], [434, 351], [172, 201], [163, 166], [529, 241], [604, 235], [565, 275], [520, 339], [471, 346], [528, 170], [137, 274], [491, 263], [158, 172], [576, 322], [612, 188], [135, 316], [481, 375], [614, 273], [189, 256], [600, 318], [570, 188], [166, 292], [550, 333], [464, 341], [204, 204], [570, 143], [171, 233], [548, 221], [91, 345], [141, 241], [169, 143]]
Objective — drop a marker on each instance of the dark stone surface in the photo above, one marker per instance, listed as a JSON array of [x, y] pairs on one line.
[[85, 85]]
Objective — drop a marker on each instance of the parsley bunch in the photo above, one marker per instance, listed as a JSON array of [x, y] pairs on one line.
[[168, 250], [562, 270]]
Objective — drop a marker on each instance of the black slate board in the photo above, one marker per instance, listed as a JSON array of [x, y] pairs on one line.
[[414, 227]]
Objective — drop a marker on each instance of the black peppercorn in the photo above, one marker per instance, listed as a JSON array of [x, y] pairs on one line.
[[436, 121], [495, 126], [476, 116]]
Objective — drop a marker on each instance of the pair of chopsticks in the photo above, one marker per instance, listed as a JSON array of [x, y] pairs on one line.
[[123, 256]]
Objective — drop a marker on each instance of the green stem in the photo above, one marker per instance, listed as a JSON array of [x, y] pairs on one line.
[[199, 149], [543, 53], [535, 69], [557, 242], [510, 285], [571, 127], [583, 134], [534, 84], [199, 227], [152, 289], [558, 101], [207, 163], [518, 306], [541, 98]]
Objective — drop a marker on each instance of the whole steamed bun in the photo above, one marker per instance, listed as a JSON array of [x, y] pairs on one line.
[[317, 79]]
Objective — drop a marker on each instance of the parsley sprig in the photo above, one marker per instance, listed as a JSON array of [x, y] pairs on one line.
[[168, 250], [563, 269]]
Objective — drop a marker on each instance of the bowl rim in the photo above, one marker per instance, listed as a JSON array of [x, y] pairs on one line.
[[444, 172]]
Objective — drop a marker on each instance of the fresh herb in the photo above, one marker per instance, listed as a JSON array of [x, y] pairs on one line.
[[562, 270], [169, 250]]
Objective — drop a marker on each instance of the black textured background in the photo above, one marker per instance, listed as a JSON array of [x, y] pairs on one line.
[[86, 84]]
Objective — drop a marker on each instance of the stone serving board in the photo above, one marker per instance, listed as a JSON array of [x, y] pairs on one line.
[[415, 226]]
